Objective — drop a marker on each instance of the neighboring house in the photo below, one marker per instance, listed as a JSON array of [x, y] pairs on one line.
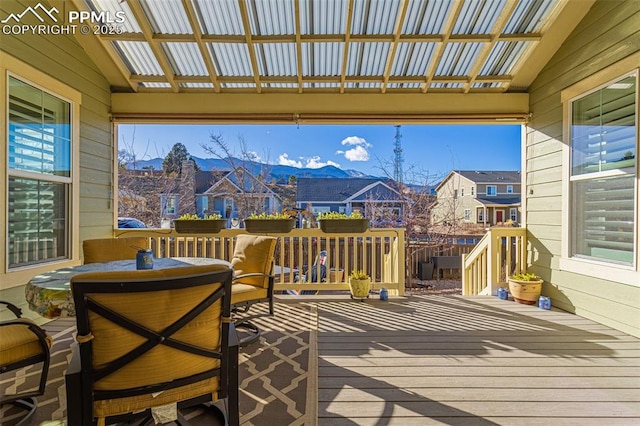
[[232, 194], [235, 194], [479, 197], [373, 197]]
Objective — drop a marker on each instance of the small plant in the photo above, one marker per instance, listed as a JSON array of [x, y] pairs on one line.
[[336, 215], [264, 215], [188, 216], [358, 274], [524, 276]]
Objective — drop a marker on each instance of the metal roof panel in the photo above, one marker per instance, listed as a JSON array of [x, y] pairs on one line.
[[167, 16], [185, 58], [231, 59], [138, 57], [221, 17]]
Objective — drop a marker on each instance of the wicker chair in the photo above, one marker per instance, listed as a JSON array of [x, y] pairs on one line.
[[108, 249], [152, 340], [253, 263], [23, 343]]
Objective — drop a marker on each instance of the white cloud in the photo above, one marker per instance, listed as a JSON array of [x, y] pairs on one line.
[[284, 160], [358, 153], [315, 163], [339, 152], [253, 156], [356, 140]]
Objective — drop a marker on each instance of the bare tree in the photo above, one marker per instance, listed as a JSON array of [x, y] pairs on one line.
[[250, 191], [417, 198], [141, 191]]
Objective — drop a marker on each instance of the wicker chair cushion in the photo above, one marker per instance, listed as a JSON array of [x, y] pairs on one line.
[[17, 342], [108, 249], [253, 254]]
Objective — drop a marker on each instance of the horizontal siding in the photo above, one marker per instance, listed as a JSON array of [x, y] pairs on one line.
[[606, 35], [62, 57]]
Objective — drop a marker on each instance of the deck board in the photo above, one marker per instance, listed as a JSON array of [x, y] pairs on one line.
[[471, 360]]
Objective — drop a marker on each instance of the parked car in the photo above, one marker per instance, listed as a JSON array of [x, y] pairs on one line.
[[130, 222]]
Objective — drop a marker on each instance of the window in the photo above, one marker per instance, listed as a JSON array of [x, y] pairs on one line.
[[39, 169], [602, 176], [462, 192], [473, 190], [455, 194], [491, 190], [467, 215], [513, 214], [169, 204], [481, 215], [509, 189]]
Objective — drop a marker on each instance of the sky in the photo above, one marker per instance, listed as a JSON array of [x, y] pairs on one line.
[[427, 149]]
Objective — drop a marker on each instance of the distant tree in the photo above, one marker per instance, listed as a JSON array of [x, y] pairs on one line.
[[250, 192], [172, 163], [292, 180]]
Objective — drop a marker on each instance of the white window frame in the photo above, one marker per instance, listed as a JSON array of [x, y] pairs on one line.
[[591, 267], [481, 215], [473, 190], [467, 215], [495, 190], [509, 189], [13, 67], [513, 214]]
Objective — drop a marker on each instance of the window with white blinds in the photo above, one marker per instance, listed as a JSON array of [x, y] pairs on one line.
[[603, 184], [39, 175]]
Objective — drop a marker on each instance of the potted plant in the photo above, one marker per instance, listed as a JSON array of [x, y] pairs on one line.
[[359, 284], [269, 222], [192, 224], [525, 287], [334, 222]]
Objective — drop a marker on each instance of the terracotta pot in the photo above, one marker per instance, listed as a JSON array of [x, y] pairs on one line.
[[526, 292], [359, 288]]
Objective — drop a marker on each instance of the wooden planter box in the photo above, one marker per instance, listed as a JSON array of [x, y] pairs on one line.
[[526, 292], [269, 225], [208, 226], [343, 226]]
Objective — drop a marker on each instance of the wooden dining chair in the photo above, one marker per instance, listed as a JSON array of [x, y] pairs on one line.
[[22, 344], [108, 249], [150, 340], [253, 280]]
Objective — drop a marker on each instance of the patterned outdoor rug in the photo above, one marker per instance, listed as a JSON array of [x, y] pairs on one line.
[[278, 374]]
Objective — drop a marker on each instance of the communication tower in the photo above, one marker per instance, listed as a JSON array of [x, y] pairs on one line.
[[398, 160]]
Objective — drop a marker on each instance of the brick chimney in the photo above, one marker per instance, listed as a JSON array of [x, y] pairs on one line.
[[187, 189]]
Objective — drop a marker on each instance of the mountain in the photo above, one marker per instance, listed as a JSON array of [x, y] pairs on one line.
[[277, 172]]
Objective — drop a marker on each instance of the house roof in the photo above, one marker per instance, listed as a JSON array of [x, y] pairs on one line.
[[491, 176], [333, 190], [499, 201], [389, 48]]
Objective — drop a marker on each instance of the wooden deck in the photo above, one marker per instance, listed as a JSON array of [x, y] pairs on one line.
[[471, 361]]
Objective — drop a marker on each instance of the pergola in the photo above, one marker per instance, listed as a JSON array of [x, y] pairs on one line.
[[320, 61]]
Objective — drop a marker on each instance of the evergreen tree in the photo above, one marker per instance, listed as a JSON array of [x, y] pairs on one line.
[[172, 163]]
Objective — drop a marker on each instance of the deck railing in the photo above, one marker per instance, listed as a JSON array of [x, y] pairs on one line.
[[501, 252], [379, 252]]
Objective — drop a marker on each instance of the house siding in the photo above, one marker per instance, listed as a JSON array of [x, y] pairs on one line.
[[62, 58], [608, 33]]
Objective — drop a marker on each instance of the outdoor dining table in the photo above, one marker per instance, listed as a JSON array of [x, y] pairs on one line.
[[49, 294]]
